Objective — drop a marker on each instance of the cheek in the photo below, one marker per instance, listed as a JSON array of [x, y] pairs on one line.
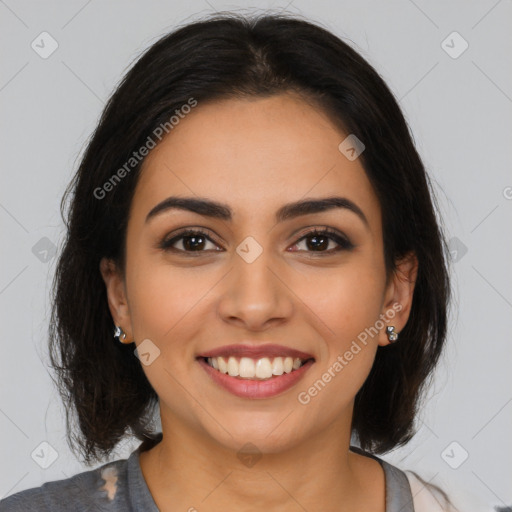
[[346, 300], [346, 304], [166, 305], [162, 298]]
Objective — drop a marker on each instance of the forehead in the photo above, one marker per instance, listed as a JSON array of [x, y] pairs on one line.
[[254, 154]]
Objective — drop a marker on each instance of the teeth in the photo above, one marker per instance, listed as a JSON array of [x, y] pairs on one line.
[[263, 368], [221, 364], [248, 368], [277, 366], [233, 367]]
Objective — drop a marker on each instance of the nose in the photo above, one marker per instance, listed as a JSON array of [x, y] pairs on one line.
[[255, 295]]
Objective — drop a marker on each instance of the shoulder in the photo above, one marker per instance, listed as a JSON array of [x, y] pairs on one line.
[[407, 491], [96, 487], [428, 497]]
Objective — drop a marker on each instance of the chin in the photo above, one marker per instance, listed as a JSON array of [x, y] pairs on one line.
[[250, 434]]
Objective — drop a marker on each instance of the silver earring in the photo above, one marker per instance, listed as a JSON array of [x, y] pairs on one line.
[[392, 334], [120, 335]]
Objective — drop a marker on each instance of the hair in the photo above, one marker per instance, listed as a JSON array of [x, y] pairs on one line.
[[228, 56]]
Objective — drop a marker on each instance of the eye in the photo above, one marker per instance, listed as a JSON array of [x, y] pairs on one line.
[[188, 241], [191, 241], [318, 240]]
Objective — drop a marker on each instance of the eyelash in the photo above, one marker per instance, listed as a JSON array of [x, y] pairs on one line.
[[343, 242]]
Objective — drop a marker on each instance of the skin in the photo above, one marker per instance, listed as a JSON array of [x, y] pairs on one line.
[[255, 155]]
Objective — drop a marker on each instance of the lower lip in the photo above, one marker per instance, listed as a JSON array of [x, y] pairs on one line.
[[248, 388]]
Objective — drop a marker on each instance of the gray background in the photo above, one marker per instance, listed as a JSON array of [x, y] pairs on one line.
[[459, 111]]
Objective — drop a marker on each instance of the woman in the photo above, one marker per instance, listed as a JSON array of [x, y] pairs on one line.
[[253, 223]]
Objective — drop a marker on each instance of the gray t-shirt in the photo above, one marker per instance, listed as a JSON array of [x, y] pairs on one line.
[[120, 486]]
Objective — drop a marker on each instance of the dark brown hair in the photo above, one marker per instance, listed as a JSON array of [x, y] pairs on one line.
[[101, 381]]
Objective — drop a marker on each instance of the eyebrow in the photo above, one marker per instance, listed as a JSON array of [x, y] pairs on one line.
[[289, 211]]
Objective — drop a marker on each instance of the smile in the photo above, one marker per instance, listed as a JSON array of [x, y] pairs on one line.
[[246, 377], [249, 368]]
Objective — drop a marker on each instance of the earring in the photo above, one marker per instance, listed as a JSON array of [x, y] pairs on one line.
[[120, 335], [392, 334]]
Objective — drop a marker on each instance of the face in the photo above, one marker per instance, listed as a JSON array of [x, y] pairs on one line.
[[308, 280]]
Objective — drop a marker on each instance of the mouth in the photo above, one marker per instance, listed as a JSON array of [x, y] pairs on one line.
[[255, 377]]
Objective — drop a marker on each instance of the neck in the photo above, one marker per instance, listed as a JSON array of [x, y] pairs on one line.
[[189, 470]]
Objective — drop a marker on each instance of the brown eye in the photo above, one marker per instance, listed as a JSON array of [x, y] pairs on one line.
[[320, 240], [188, 241]]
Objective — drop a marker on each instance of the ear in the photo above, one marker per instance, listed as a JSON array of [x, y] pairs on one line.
[[116, 294], [398, 295]]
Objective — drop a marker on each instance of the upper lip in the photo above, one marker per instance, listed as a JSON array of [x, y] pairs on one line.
[[255, 351]]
